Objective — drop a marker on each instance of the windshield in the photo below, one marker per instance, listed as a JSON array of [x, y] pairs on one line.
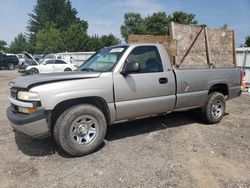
[[50, 56], [41, 61], [32, 62], [104, 60]]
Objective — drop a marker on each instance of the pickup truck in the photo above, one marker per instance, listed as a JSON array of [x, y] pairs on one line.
[[117, 84]]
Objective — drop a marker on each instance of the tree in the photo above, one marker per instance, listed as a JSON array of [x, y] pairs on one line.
[[96, 43], [20, 44], [48, 39], [225, 26], [247, 41], [59, 12], [133, 24], [109, 40], [53, 26], [2, 45], [157, 24], [75, 38], [183, 18]]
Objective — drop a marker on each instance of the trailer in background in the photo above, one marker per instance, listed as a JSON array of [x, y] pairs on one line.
[[243, 61]]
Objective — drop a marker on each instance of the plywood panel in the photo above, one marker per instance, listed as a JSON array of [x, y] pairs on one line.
[[220, 42]]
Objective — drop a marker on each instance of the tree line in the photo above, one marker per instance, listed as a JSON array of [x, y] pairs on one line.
[[53, 26]]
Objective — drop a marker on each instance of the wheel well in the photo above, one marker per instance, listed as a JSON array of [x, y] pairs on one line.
[[34, 68], [67, 68], [99, 102], [222, 88]]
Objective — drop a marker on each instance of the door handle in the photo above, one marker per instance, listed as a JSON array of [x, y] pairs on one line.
[[163, 80]]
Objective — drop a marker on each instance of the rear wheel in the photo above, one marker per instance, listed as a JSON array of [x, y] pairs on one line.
[[11, 66], [33, 71], [215, 107], [80, 130], [67, 69]]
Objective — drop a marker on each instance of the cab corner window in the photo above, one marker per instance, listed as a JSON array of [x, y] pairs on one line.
[[148, 58]]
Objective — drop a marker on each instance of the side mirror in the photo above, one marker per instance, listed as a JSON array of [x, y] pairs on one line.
[[130, 67]]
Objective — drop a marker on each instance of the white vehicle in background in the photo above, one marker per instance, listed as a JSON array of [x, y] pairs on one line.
[[25, 60], [21, 58], [77, 58], [50, 66], [51, 56]]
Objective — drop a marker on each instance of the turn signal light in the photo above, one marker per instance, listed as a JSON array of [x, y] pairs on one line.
[[27, 110]]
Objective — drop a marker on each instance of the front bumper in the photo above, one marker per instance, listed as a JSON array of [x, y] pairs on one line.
[[33, 125], [23, 71]]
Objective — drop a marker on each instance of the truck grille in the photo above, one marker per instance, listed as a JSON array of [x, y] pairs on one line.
[[13, 93]]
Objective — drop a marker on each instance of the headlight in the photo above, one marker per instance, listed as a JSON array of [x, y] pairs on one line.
[[28, 96]]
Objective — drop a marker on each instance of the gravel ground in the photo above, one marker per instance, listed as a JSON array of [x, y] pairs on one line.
[[176, 150]]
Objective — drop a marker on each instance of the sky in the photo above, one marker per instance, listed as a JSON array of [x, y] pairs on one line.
[[106, 16]]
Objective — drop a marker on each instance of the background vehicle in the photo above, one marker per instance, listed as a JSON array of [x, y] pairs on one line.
[[28, 61], [21, 58], [9, 61], [117, 84], [49, 56], [37, 57], [49, 66]]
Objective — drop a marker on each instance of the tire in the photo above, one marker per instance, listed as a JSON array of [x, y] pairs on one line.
[[214, 109], [33, 71], [67, 69], [11, 66], [76, 134]]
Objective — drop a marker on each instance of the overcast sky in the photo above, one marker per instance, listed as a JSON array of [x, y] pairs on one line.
[[106, 16]]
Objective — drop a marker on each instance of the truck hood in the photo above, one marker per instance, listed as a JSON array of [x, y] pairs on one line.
[[39, 79]]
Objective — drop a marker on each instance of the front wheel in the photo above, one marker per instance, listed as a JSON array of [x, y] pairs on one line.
[[80, 130], [214, 109], [33, 71]]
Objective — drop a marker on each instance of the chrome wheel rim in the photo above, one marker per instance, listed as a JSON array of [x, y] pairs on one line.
[[11, 66], [83, 130], [217, 109], [33, 71]]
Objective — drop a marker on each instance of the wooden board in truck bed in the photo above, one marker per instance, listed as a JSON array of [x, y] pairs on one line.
[[221, 46]]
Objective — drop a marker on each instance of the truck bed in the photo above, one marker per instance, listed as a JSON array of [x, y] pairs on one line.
[[192, 85]]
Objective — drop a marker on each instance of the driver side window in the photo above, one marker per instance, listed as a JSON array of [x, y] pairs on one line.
[[148, 58]]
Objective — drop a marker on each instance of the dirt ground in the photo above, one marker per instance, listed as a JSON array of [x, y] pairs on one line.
[[176, 150]]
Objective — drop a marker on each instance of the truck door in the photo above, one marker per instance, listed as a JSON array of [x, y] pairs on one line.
[[149, 91]]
